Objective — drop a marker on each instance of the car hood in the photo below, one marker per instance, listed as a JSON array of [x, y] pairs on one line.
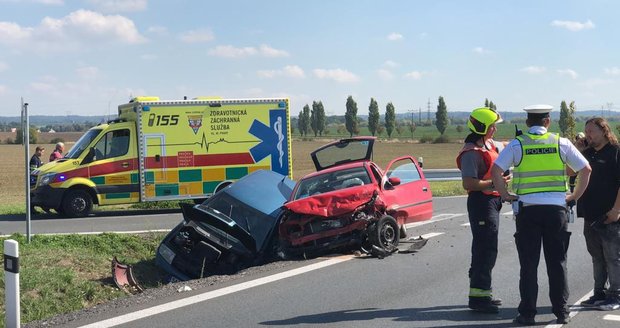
[[218, 220], [333, 203]]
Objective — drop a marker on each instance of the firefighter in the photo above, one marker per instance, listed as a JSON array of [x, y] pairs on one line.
[[475, 161], [540, 182]]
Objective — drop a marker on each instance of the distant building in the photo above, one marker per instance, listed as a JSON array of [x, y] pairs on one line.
[[13, 130], [51, 131]]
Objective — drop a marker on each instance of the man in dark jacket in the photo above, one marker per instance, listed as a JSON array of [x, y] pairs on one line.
[[35, 160], [600, 207]]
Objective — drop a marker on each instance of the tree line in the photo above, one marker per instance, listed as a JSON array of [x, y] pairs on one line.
[[313, 120]]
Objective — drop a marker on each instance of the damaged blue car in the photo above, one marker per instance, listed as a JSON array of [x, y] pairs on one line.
[[233, 229]]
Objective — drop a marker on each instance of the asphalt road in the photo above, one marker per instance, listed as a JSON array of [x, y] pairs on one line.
[[427, 288]]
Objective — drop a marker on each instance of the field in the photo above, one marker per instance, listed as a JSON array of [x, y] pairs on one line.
[[12, 169]]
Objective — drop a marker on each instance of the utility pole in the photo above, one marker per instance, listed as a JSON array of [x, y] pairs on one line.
[[420, 115], [411, 126], [428, 116]]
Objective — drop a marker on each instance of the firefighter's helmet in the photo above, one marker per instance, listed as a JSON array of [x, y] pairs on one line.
[[481, 118]]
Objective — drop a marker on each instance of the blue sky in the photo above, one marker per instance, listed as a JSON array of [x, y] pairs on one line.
[[84, 57]]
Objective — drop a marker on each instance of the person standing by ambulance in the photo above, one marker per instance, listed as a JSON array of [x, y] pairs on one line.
[[475, 161], [540, 182]]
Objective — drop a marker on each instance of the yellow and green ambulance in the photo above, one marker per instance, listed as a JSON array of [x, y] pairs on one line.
[[167, 150]]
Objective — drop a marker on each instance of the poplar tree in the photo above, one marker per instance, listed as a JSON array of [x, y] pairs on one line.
[[441, 116], [350, 116], [390, 119], [373, 116]]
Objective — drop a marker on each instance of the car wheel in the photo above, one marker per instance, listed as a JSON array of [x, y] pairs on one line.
[[77, 203], [385, 234]]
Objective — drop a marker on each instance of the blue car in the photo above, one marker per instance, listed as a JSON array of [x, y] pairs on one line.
[[233, 229]]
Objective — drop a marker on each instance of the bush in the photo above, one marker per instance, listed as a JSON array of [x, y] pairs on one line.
[[426, 139], [442, 139], [57, 140]]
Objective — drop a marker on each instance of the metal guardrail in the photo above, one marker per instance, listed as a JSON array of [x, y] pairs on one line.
[[442, 174]]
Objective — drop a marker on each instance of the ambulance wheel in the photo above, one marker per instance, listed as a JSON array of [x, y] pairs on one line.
[[77, 203], [385, 234]]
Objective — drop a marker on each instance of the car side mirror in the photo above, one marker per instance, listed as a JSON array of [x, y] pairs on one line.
[[394, 181]]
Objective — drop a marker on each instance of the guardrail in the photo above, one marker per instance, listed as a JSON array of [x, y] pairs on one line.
[[442, 174]]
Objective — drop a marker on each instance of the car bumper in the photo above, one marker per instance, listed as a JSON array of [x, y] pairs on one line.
[[46, 196]]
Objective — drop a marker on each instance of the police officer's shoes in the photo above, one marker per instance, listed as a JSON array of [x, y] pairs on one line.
[[524, 321], [563, 320]]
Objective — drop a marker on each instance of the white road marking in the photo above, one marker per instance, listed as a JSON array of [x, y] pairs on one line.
[[436, 218], [123, 319], [577, 306], [611, 317], [432, 234], [465, 224]]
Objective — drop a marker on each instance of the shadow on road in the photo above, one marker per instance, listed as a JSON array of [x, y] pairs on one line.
[[46, 216], [460, 315]]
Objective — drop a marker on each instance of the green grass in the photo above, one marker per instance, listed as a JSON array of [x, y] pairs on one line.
[[447, 188], [60, 274]]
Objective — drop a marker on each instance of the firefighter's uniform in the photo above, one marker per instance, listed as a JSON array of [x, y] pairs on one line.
[[539, 179], [475, 160]]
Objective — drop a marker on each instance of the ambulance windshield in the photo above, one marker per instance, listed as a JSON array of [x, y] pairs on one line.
[[82, 143]]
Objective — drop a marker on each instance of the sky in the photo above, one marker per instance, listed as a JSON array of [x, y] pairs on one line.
[[85, 57]]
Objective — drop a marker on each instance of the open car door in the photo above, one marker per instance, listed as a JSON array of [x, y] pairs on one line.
[[412, 198]]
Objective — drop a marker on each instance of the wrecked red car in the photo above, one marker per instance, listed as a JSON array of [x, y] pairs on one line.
[[351, 202]]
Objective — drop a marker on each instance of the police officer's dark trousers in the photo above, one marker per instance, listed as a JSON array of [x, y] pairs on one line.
[[484, 221], [546, 225]]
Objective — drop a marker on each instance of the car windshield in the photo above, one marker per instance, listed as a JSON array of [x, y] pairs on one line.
[[331, 181], [82, 143], [255, 222]]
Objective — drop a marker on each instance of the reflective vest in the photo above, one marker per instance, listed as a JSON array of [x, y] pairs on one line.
[[488, 155], [541, 168]]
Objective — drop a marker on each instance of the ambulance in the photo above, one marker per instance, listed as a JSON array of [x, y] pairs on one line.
[[166, 150]]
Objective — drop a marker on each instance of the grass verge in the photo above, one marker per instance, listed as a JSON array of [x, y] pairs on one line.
[[61, 274]]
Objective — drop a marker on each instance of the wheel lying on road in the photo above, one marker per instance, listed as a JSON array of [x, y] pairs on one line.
[[385, 234], [77, 203]]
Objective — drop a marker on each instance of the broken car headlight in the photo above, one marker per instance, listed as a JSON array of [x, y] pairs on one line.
[[166, 253]]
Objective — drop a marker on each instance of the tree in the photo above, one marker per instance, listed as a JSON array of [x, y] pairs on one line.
[[390, 119], [492, 106], [300, 122], [306, 120], [373, 116], [570, 126], [441, 116], [350, 116], [563, 122], [567, 120], [314, 121], [320, 117], [32, 137], [486, 102]]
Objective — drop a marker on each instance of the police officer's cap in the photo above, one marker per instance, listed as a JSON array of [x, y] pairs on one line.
[[538, 109]]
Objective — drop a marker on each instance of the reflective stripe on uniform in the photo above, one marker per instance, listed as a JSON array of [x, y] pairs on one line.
[[477, 292]]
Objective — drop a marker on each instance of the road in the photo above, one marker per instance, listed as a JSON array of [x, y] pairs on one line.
[[423, 289]]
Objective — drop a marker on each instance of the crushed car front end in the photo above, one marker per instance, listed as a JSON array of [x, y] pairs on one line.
[[335, 220]]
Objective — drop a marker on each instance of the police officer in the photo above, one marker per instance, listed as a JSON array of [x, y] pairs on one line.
[[475, 161], [540, 182]]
